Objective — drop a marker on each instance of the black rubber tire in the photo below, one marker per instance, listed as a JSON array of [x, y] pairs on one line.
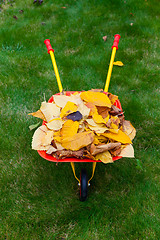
[[83, 185]]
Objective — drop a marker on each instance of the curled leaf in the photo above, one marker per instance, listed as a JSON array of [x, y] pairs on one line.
[[69, 153], [129, 129], [103, 147], [105, 157]]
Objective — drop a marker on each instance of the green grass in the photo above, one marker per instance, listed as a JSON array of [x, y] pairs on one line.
[[39, 199]]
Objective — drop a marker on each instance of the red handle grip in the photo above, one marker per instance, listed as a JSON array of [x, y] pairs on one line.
[[116, 41], [48, 45]]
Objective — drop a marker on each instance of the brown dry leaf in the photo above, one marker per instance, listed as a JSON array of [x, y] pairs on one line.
[[92, 108], [70, 107], [69, 128], [38, 114], [78, 141], [128, 151], [103, 147], [69, 153], [42, 138], [55, 124], [129, 129], [118, 137], [50, 110], [115, 111], [103, 111], [97, 98], [105, 157], [116, 151], [112, 97]]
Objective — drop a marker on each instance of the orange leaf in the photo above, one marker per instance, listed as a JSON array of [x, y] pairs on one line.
[[78, 141], [38, 114], [69, 128]]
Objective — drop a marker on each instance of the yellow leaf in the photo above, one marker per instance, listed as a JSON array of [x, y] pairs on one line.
[[38, 114], [98, 118], [101, 138], [97, 98], [70, 107], [114, 128], [78, 141], [128, 151], [107, 118], [118, 63], [96, 141], [118, 137], [69, 128], [105, 157]]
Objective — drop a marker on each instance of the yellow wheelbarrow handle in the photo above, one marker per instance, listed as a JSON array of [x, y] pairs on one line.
[[114, 48], [51, 52]]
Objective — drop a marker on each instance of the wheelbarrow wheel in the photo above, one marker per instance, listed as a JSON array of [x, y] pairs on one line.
[[83, 185]]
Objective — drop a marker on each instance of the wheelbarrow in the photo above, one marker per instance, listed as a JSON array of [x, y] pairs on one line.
[[83, 181]]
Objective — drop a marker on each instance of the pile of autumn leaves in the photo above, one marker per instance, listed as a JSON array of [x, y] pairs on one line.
[[84, 125]]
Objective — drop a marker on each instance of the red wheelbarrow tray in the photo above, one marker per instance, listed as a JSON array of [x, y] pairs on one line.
[[49, 157]]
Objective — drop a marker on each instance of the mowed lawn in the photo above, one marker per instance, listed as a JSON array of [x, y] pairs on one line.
[[40, 199]]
